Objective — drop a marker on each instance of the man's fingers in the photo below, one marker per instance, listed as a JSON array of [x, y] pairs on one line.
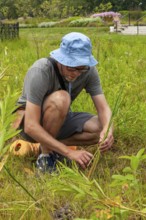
[[107, 144], [106, 147], [82, 157], [85, 158], [89, 155], [88, 158], [82, 164]]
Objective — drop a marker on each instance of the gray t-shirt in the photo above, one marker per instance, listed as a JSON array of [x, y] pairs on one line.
[[41, 80]]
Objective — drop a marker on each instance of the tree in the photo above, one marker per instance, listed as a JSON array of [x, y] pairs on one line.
[[64, 8]]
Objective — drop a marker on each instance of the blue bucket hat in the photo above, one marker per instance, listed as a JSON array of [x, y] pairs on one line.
[[75, 50]]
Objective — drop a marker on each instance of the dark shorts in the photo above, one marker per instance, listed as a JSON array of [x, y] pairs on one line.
[[73, 124]]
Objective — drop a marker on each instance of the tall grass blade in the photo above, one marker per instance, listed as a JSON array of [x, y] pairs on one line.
[[2, 74], [3, 161], [7, 107], [96, 156], [23, 187]]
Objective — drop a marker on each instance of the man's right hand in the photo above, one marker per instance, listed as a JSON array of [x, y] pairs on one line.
[[82, 157]]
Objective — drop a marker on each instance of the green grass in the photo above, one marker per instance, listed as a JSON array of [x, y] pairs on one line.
[[122, 63]]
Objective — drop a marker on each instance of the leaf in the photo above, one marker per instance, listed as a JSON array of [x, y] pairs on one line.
[[11, 134], [140, 152], [127, 170], [77, 189], [120, 211], [96, 183], [129, 177], [143, 157], [3, 73], [118, 177], [7, 107], [134, 163], [143, 210], [3, 161], [125, 157], [1, 142]]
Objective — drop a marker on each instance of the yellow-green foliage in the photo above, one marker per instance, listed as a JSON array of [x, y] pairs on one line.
[[86, 22], [122, 64]]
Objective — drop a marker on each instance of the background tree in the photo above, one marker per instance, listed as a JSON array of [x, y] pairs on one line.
[[64, 8]]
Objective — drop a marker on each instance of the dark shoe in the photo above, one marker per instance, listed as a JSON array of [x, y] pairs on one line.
[[47, 162]]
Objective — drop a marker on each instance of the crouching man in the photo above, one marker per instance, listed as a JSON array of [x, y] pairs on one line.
[[48, 119]]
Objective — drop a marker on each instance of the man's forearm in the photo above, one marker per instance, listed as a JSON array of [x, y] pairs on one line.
[[38, 133], [105, 119]]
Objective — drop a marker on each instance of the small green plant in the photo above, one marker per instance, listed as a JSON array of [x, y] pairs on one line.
[[73, 184], [130, 172], [7, 107]]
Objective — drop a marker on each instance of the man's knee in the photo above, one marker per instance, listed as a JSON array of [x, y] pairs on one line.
[[92, 129], [57, 101], [93, 137], [93, 125]]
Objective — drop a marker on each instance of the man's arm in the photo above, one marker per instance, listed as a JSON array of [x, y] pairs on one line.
[[104, 115], [33, 128]]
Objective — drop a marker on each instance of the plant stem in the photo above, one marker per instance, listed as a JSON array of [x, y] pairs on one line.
[[23, 187], [97, 153]]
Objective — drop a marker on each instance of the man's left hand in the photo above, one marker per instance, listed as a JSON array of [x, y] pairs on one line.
[[106, 143]]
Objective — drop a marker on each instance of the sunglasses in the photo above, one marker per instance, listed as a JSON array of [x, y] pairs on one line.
[[80, 70]]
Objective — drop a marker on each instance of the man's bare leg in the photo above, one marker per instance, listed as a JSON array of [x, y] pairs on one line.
[[55, 109], [89, 136]]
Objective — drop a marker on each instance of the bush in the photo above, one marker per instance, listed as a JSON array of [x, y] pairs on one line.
[[73, 22], [27, 25], [83, 22], [47, 24], [66, 22], [1, 16], [135, 15]]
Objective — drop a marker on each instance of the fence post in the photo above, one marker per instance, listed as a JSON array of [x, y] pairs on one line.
[[9, 31], [0, 30], [129, 19], [137, 28]]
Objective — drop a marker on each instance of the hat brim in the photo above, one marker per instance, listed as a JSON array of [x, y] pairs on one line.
[[73, 61]]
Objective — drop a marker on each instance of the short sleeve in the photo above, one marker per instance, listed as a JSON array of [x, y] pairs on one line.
[[37, 83], [93, 85]]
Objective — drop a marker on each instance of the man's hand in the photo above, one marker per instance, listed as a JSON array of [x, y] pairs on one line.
[[104, 116], [106, 144], [82, 157]]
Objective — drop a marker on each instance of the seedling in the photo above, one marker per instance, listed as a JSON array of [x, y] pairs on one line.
[[130, 172]]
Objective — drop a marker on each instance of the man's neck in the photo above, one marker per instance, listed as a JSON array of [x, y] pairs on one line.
[[59, 66]]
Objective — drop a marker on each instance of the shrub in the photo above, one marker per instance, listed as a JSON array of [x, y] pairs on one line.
[[61, 23], [22, 25], [66, 22], [47, 24], [134, 14], [83, 22]]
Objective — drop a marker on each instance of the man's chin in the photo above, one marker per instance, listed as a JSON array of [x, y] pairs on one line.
[[70, 80]]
